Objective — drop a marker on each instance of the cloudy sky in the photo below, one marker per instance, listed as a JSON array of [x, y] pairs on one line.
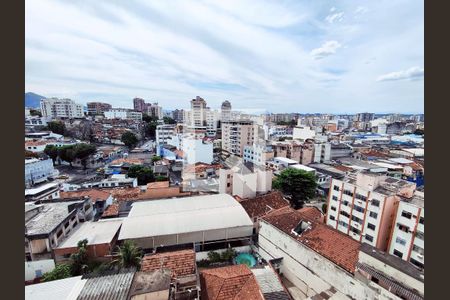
[[277, 56]]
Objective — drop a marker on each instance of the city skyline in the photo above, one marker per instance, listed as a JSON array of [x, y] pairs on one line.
[[330, 57]]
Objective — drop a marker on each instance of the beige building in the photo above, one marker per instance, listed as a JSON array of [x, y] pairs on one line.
[[295, 150], [363, 206], [236, 135], [61, 108]]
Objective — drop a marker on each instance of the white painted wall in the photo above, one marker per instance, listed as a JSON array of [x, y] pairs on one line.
[[44, 266]]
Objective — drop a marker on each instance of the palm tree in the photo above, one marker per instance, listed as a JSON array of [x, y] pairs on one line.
[[80, 258], [129, 255]]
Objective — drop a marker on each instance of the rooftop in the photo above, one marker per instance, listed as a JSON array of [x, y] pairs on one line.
[[114, 287], [172, 216], [50, 217], [270, 284], [67, 288], [330, 243], [180, 263], [261, 205], [100, 232], [231, 282], [312, 212], [149, 282], [111, 211], [94, 194], [41, 188]]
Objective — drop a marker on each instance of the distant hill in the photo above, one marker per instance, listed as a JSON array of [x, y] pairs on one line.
[[33, 100]]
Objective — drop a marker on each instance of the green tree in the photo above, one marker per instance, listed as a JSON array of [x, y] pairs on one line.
[[80, 258], [34, 112], [57, 127], [150, 129], [129, 255], [61, 271], [149, 119], [298, 185], [143, 174], [52, 152], [129, 139], [169, 120], [67, 154], [83, 151], [228, 255], [156, 158], [214, 256]]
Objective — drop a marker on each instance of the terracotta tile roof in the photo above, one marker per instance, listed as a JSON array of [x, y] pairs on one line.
[[312, 212], [180, 263], [132, 161], [261, 205], [111, 211], [201, 167], [374, 154], [179, 153], [330, 243], [158, 185], [231, 282], [123, 194], [343, 168], [94, 194], [35, 143]]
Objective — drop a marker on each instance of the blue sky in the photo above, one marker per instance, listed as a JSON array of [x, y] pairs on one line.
[[277, 56]]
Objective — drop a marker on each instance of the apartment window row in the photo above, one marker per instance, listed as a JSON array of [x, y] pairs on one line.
[[348, 193], [332, 218], [418, 249], [369, 238], [336, 188], [335, 198], [398, 253], [357, 231], [343, 224], [422, 220], [346, 203], [345, 214], [402, 227], [376, 202], [360, 197], [358, 208], [400, 241], [420, 235], [406, 214], [373, 214], [371, 226], [358, 220], [333, 208]]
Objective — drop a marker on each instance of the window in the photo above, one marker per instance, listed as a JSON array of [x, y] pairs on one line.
[[400, 241], [358, 208], [348, 193], [422, 220], [38, 273], [369, 238], [336, 188], [371, 226], [419, 250], [373, 214], [333, 208], [398, 253], [345, 202], [420, 235], [406, 214], [357, 231], [342, 223], [376, 202], [66, 225], [335, 198], [60, 232], [228, 184], [332, 218], [356, 219], [416, 263], [344, 214], [360, 197]]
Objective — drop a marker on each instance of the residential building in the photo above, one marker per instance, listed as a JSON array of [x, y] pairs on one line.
[[231, 282], [123, 114], [339, 150], [49, 223], [178, 115], [258, 154], [31, 121], [198, 112], [139, 104], [167, 222], [322, 152], [61, 108], [154, 110], [100, 198], [300, 152], [364, 206], [212, 119], [38, 170], [101, 236], [47, 191], [97, 108], [408, 232], [196, 150], [225, 111], [164, 133], [236, 135], [385, 272], [302, 133]]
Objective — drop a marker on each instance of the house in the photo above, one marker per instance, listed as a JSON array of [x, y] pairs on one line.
[[47, 224], [231, 282], [38, 171], [46, 191], [167, 222], [101, 236], [182, 267], [100, 198]]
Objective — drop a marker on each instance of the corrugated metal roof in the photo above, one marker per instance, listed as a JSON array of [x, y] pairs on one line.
[[270, 284], [172, 216], [107, 287], [54, 290]]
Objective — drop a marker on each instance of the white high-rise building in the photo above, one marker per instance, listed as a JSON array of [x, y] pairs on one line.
[[61, 108], [225, 111]]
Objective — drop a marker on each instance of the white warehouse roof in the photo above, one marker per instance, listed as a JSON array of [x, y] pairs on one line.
[[183, 215]]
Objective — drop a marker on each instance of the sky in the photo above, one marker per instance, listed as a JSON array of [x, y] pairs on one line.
[[262, 56]]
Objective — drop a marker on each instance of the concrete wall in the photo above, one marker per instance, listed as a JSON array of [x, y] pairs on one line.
[[44, 266], [303, 266], [245, 186]]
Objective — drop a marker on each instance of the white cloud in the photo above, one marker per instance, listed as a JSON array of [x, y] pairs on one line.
[[332, 9], [360, 10], [339, 17], [409, 74], [326, 49]]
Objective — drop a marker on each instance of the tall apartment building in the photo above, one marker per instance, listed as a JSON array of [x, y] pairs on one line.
[[198, 112], [163, 133], [61, 108], [408, 232], [97, 108], [178, 115], [258, 154], [212, 119], [154, 110], [139, 104], [236, 135], [364, 206], [322, 152], [225, 111]]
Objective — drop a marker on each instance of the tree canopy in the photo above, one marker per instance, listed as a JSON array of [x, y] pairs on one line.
[[61, 271], [69, 153], [80, 258], [51, 151], [143, 174], [57, 127], [169, 120], [298, 185], [129, 255], [129, 139]]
